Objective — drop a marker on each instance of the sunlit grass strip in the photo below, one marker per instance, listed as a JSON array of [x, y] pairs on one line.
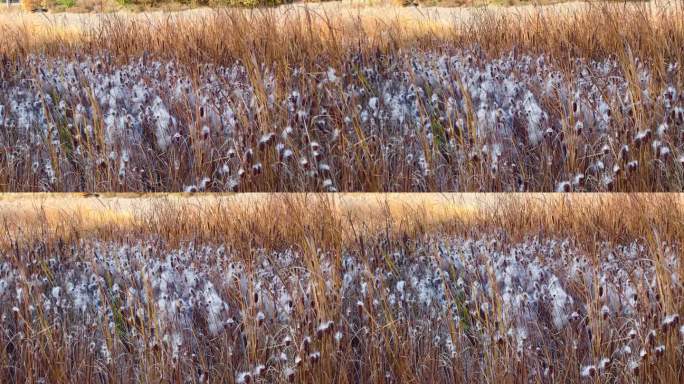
[[280, 220]]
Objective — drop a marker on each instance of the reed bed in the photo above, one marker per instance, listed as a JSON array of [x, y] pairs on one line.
[[324, 288], [537, 99]]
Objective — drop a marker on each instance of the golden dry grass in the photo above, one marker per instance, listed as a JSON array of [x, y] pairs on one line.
[[114, 246], [314, 40], [277, 221], [587, 27], [51, 244]]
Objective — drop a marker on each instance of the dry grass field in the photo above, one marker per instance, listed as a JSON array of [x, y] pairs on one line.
[[570, 97], [307, 278], [341, 288]]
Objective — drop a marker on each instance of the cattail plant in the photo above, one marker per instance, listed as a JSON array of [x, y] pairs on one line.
[[305, 102]]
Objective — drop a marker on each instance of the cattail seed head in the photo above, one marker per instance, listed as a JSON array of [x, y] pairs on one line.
[[624, 152], [286, 132], [604, 364], [286, 155], [632, 165], [642, 137], [634, 367], [259, 369], [670, 322], [243, 378], [564, 186], [579, 127], [574, 317], [588, 371], [266, 140], [289, 374], [306, 342], [632, 334], [256, 169], [651, 337]]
